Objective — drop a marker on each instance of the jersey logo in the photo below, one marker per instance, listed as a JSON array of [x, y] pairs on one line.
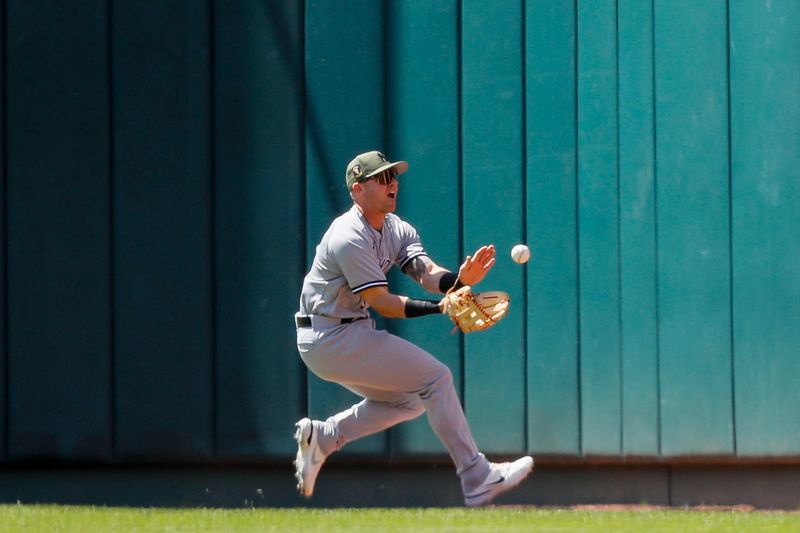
[[385, 265]]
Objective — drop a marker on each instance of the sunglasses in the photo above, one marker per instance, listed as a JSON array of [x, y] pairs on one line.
[[384, 178]]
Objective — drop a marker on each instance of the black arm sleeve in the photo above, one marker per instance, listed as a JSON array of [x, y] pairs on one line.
[[415, 308], [449, 280]]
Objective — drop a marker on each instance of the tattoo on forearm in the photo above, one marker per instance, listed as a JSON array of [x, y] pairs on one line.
[[417, 267]]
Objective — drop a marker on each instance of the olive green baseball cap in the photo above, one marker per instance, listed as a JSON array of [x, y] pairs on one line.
[[369, 164]]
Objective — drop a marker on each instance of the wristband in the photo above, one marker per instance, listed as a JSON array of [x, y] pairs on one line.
[[415, 308], [449, 280]]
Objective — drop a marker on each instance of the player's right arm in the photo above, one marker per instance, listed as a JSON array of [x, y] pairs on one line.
[[395, 306]]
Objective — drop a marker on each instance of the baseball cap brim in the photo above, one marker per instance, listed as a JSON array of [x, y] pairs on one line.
[[401, 166]]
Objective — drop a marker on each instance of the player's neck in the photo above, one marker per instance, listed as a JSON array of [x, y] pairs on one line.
[[374, 218]]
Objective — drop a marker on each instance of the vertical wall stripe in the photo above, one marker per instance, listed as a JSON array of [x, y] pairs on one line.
[[492, 180], [730, 223], [422, 127], [303, 222], [598, 203], [578, 302], [259, 234], [693, 227], [637, 262], [345, 117], [655, 229], [163, 260], [524, 235], [4, 243], [621, 346], [111, 305], [764, 50], [462, 215], [57, 231], [212, 219], [553, 394]]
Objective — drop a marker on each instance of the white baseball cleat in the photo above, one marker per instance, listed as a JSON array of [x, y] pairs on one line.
[[309, 457], [502, 477]]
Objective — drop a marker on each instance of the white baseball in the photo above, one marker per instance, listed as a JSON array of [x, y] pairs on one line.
[[520, 253]]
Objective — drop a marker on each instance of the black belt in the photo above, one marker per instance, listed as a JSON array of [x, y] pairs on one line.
[[305, 321]]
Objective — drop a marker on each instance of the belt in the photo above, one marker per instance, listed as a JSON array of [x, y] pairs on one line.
[[304, 321]]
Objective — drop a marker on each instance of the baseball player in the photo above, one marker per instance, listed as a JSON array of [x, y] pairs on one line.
[[338, 342]]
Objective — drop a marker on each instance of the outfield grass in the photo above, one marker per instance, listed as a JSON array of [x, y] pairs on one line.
[[50, 518]]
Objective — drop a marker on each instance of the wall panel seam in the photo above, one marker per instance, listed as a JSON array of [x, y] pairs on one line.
[[655, 231], [730, 224], [577, 226], [524, 236], [112, 242], [212, 218], [4, 141], [303, 220], [307, 115], [385, 105], [460, 180], [620, 348]]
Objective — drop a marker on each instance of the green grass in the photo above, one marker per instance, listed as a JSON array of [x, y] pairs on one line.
[[52, 518]]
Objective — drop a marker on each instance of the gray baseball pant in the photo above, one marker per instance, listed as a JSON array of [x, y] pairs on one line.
[[398, 381]]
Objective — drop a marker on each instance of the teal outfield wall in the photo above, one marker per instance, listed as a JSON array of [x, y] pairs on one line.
[[169, 167]]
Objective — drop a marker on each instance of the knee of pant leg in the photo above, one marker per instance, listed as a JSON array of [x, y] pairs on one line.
[[446, 376], [415, 408], [411, 404], [443, 380]]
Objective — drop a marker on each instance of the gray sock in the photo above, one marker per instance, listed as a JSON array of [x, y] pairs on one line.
[[327, 436]]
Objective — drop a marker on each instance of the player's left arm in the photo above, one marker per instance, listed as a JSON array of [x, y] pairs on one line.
[[437, 279], [424, 271]]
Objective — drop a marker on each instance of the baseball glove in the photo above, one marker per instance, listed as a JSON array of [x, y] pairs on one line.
[[474, 312]]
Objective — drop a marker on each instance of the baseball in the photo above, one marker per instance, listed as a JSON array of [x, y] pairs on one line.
[[520, 253]]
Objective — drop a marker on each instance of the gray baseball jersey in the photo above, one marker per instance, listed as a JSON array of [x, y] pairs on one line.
[[354, 256]]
